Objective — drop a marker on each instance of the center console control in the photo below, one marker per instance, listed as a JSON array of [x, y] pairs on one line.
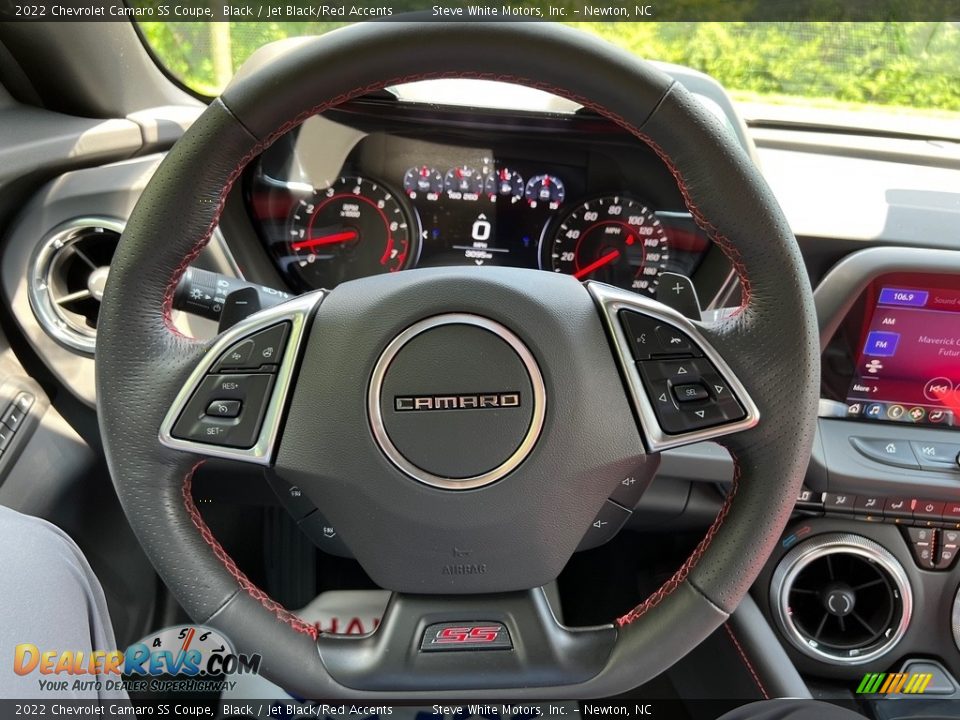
[[931, 527], [913, 454]]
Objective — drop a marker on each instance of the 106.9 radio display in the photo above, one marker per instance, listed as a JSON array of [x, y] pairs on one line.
[[908, 367]]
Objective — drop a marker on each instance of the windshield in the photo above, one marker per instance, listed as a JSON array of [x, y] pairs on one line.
[[793, 72]]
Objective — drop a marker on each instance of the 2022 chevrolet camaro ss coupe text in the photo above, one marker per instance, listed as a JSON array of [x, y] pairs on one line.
[[478, 368]]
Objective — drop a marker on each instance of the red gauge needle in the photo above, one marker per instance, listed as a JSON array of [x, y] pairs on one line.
[[331, 239], [599, 263]]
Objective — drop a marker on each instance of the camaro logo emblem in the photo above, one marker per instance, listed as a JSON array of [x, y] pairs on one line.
[[404, 403]]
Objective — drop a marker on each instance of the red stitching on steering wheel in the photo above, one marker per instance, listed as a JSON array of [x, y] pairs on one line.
[[684, 570], [269, 604], [722, 241]]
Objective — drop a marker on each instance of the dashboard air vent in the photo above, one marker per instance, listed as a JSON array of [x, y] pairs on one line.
[[68, 273], [841, 599]]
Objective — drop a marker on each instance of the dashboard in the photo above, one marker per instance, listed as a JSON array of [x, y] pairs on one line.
[[385, 185], [359, 192]]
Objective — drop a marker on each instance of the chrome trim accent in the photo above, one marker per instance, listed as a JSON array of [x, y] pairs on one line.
[[397, 458], [55, 323], [611, 301], [836, 544], [298, 311]]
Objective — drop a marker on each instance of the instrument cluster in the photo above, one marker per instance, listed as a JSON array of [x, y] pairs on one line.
[[387, 211]]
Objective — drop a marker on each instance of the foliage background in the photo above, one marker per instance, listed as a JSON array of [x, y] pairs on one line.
[[901, 65]]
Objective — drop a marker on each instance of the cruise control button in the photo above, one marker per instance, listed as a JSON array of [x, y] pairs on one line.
[[224, 408], [268, 345], [936, 455], [252, 353], [886, 451], [251, 390], [690, 392], [605, 526]]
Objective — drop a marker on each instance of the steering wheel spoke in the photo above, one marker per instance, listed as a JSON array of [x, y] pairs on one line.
[[231, 406], [681, 388], [436, 643]]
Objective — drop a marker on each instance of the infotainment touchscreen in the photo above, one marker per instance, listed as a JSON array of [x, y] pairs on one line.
[[908, 368]]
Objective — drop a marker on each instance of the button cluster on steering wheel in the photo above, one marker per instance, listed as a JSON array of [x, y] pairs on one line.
[[685, 389], [227, 408]]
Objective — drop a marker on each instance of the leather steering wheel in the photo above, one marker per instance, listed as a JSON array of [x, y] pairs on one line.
[[547, 395]]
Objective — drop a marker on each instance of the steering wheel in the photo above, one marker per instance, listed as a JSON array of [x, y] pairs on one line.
[[462, 428]]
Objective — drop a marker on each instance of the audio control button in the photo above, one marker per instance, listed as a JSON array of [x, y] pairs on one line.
[[936, 455]]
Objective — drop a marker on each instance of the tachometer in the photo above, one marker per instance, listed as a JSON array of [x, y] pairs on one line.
[[354, 228], [615, 239]]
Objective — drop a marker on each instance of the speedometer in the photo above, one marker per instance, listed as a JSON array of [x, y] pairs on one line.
[[613, 239]]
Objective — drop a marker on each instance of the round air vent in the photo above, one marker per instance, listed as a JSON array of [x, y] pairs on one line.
[[68, 272], [841, 598]]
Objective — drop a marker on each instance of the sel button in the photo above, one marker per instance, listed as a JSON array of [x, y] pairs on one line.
[[690, 392]]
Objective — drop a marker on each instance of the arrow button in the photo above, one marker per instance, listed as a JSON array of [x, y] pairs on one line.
[[606, 524]]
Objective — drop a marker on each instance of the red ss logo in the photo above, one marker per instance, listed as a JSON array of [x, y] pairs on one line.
[[475, 634]]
